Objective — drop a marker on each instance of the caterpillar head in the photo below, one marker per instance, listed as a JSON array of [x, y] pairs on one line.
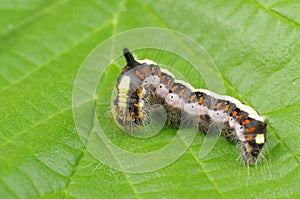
[[255, 138], [131, 62]]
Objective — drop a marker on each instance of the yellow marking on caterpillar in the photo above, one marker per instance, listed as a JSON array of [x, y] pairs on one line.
[[123, 99], [123, 88], [139, 91], [140, 115], [137, 106], [260, 139]]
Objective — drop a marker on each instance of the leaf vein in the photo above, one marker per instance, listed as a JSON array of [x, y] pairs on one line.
[[277, 14]]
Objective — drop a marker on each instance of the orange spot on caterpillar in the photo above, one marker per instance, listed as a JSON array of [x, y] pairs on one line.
[[162, 78], [153, 70], [174, 88], [251, 129], [249, 137], [218, 106], [249, 147], [146, 71], [192, 98], [240, 116], [158, 72], [200, 100], [139, 75], [234, 113], [181, 92], [168, 83], [226, 108], [245, 122]]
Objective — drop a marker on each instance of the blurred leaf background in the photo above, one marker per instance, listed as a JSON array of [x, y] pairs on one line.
[[255, 45]]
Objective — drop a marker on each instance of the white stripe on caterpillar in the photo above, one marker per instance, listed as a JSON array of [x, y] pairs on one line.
[[252, 113], [123, 89]]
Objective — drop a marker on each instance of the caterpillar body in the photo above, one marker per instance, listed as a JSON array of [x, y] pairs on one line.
[[143, 83]]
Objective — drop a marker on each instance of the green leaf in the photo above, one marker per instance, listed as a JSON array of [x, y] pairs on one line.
[[255, 45]]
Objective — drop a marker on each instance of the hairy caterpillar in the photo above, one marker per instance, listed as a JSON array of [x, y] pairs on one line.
[[142, 84]]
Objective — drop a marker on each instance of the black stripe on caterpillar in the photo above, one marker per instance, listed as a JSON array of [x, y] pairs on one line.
[[142, 83]]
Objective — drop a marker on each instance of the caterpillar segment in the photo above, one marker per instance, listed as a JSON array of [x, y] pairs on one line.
[[142, 83], [150, 83], [174, 103], [254, 139], [128, 103], [219, 115], [196, 110], [162, 90], [140, 80]]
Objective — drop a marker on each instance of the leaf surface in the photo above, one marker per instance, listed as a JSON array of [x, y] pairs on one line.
[[255, 45]]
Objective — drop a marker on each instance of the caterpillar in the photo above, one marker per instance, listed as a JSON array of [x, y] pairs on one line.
[[143, 83]]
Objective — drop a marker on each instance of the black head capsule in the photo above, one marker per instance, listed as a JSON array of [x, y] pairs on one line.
[[131, 62]]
